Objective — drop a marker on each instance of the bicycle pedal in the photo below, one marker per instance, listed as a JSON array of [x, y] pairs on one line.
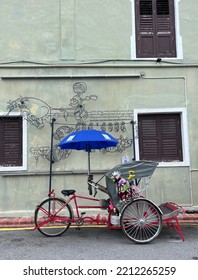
[[83, 213]]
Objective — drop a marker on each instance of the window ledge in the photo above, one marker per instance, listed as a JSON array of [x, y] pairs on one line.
[[173, 164]]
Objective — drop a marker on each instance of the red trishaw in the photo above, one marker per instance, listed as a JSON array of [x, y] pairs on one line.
[[125, 206]]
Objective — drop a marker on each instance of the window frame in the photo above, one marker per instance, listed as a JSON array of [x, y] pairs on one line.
[[178, 38], [24, 143], [184, 134]]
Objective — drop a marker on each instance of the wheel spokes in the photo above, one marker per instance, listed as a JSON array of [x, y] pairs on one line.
[[141, 221]]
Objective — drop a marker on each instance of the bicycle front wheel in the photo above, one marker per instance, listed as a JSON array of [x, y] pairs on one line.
[[52, 217], [141, 221]]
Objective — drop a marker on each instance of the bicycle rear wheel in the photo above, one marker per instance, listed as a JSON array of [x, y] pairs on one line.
[[52, 218], [141, 221]]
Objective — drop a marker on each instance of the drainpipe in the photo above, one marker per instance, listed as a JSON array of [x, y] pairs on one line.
[[170, 78]]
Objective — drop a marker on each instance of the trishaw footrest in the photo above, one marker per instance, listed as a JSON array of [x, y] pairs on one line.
[[170, 212], [170, 209]]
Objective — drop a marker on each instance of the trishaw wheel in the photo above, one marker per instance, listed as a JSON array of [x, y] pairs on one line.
[[141, 221], [49, 223]]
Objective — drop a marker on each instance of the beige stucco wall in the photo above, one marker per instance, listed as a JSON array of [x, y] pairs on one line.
[[152, 91], [69, 38], [89, 30]]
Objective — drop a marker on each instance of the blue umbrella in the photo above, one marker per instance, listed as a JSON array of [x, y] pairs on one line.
[[88, 140]]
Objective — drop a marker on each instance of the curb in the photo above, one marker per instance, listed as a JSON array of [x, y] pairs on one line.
[[189, 218], [16, 222], [13, 222]]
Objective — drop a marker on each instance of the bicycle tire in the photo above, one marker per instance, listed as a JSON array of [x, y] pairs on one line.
[[44, 221], [141, 221]]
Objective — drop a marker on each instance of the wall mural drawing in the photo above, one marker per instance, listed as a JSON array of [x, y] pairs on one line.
[[75, 117]]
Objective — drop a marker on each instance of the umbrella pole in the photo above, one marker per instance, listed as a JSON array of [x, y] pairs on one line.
[[88, 163], [90, 177]]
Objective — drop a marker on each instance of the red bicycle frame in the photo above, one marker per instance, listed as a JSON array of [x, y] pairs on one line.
[[79, 218]]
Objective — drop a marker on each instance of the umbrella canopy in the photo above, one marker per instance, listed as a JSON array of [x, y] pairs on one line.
[[88, 140]]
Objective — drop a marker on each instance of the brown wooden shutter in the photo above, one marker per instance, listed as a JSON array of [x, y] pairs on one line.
[[160, 137], [155, 28], [11, 141], [148, 137], [165, 29], [145, 28]]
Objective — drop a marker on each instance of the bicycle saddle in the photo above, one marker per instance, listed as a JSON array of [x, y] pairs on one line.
[[67, 192]]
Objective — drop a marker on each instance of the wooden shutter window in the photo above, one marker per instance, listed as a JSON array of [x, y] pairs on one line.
[[10, 141], [160, 137], [155, 28], [165, 37], [145, 28]]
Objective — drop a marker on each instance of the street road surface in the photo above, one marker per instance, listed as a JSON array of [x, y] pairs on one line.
[[97, 244]]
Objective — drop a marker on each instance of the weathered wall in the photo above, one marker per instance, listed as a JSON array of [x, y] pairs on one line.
[[118, 95], [70, 37], [75, 30]]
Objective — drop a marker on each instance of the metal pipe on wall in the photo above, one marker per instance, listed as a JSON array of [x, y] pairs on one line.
[[71, 76]]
